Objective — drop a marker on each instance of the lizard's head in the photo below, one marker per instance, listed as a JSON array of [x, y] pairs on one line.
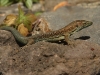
[[81, 24]]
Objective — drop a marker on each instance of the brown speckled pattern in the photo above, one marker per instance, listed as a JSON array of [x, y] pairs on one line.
[[66, 31]]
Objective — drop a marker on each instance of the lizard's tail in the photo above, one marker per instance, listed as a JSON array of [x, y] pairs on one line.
[[16, 34]]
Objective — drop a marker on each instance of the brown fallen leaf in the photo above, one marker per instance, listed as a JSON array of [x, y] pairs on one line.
[[41, 26], [23, 30], [64, 3], [10, 19], [31, 18]]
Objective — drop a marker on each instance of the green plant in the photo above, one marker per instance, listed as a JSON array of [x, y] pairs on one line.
[[28, 3], [23, 18], [5, 2]]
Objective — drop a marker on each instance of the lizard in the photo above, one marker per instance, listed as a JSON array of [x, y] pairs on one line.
[[63, 33]]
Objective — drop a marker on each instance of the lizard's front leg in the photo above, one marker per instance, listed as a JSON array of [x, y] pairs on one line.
[[68, 40]]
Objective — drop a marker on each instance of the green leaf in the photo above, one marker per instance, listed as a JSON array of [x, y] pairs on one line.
[[38, 13], [27, 24], [22, 18], [4, 2], [20, 15], [29, 3]]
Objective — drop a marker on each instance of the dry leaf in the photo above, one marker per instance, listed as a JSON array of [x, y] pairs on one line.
[[23, 30], [64, 3], [41, 27], [31, 17], [10, 19]]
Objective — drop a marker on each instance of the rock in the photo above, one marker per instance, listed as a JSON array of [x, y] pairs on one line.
[[49, 5], [64, 16], [6, 38], [5, 61], [45, 58]]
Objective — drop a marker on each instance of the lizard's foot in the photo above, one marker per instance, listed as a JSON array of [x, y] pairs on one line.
[[30, 42], [71, 43]]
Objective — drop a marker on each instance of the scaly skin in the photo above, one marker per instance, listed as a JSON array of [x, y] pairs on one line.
[[63, 33], [60, 34]]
